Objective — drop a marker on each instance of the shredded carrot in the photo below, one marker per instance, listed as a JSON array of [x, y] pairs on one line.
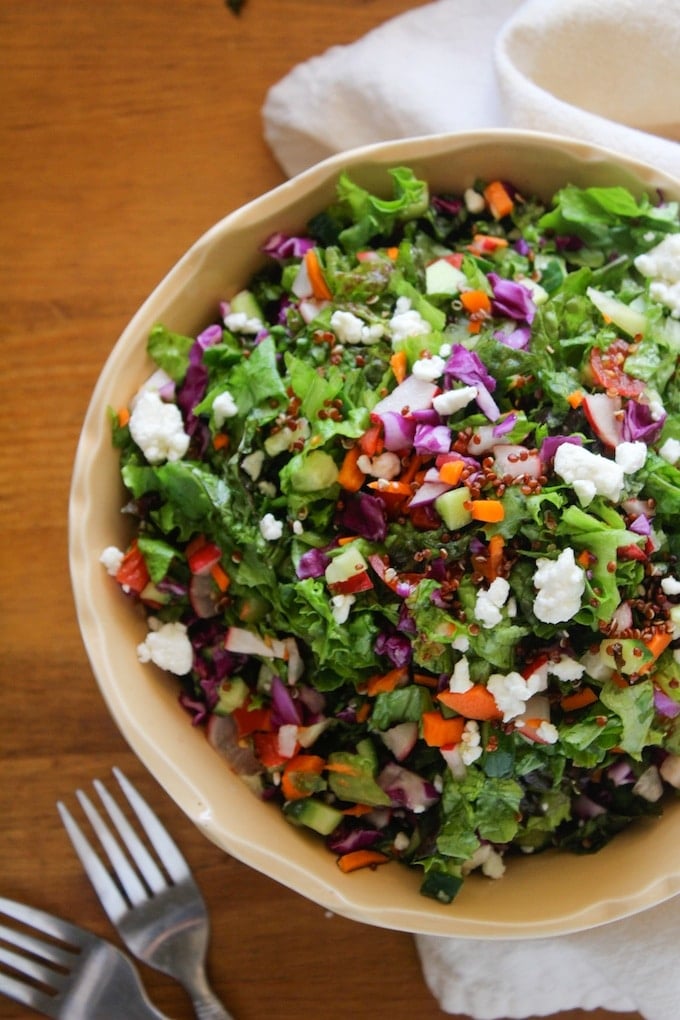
[[357, 810], [350, 476], [411, 469], [220, 440], [657, 644], [475, 301], [441, 732], [579, 699], [361, 859], [316, 277], [451, 471], [576, 398], [384, 682], [486, 244], [363, 712], [425, 680], [476, 703], [498, 200], [399, 365], [302, 764], [220, 577], [496, 546], [392, 252], [490, 511], [347, 539], [123, 416]]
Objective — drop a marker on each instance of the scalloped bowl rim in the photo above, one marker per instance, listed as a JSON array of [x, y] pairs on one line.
[[549, 894]]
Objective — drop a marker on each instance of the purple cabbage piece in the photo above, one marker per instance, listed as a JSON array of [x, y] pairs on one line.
[[467, 367], [284, 709], [641, 525], [511, 299], [407, 789], [505, 426], [639, 425], [312, 563], [522, 246], [665, 705], [396, 647], [551, 443], [193, 390], [517, 338], [398, 431], [568, 242], [283, 246], [432, 439], [345, 839], [364, 515], [452, 206]]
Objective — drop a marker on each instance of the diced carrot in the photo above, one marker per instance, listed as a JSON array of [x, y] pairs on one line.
[[411, 470], [220, 577], [657, 644], [475, 301], [585, 558], [266, 747], [385, 682], [350, 476], [356, 859], [316, 278], [451, 471], [347, 539], [576, 398], [220, 441], [476, 703], [498, 200], [363, 712], [123, 416], [486, 244], [490, 511], [579, 699], [496, 546], [302, 764], [399, 365], [357, 810], [441, 732], [425, 680], [393, 487], [392, 252]]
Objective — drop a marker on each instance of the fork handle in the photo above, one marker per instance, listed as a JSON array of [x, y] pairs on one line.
[[206, 1004]]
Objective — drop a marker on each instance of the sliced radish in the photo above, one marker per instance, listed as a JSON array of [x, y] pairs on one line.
[[245, 642], [400, 739], [222, 735], [413, 393], [604, 416], [204, 596], [516, 461]]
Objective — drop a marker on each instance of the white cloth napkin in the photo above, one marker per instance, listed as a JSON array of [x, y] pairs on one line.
[[604, 71]]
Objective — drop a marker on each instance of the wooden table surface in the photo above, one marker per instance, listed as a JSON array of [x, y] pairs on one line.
[[128, 128]]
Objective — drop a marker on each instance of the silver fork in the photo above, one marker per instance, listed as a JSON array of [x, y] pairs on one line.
[[77, 978], [162, 920]]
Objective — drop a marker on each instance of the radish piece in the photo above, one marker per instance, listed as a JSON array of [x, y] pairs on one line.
[[400, 739], [604, 416], [204, 596], [245, 642], [427, 493], [222, 735], [516, 461], [413, 393]]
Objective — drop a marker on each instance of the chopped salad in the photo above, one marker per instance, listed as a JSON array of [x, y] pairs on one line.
[[405, 522]]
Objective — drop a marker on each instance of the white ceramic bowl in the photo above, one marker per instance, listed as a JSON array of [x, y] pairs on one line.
[[551, 893]]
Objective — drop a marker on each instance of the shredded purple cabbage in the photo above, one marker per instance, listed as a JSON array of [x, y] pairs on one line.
[[365, 516], [511, 299], [639, 425]]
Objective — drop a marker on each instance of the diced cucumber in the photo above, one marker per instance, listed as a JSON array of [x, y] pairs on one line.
[[345, 565], [441, 277], [451, 507], [439, 885], [231, 695], [314, 472], [246, 302], [313, 814], [625, 655], [629, 319]]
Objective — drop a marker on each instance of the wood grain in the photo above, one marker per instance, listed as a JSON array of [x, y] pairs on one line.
[[127, 129]]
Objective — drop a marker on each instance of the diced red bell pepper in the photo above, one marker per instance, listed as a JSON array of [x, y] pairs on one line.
[[133, 572]]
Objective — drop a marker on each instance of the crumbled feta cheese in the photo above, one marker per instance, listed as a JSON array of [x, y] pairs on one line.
[[287, 739], [670, 451], [566, 668], [386, 465], [224, 406], [350, 329], [630, 456], [459, 681], [401, 842], [297, 527], [471, 741], [252, 464], [340, 607], [407, 322], [461, 643], [662, 266], [111, 558], [490, 601], [157, 428], [168, 646], [588, 472], [429, 369], [239, 322], [510, 692], [270, 528], [547, 732], [474, 201], [454, 400], [560, 584], [488, 859], [670, 586]]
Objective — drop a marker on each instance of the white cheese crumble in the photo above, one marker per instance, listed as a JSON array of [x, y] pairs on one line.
[[490, 601], [111, 558], [488, 860], [224, 406], [670, 450], [386, 465], [547, 732], [270, 528], [252, 464], [239, 322], [511, 691], [630, 456], [670, 586], [429, 369], [407, 322], [560, 585], [471, 742], [168, 646], [454, 400], [661, 265], [588, 473], [459, 681], [340, 607], [474, 201], [350, 329], [157, 428]]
